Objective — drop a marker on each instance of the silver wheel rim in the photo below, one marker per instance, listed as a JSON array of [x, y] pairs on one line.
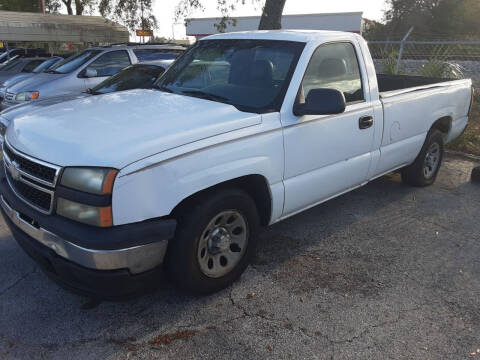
[[432, 159], [222, 243]]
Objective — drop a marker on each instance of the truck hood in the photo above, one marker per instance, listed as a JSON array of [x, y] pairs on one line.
[[117, 129], [34, 82]]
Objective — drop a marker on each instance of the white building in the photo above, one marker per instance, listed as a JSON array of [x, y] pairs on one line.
[[351, 21]]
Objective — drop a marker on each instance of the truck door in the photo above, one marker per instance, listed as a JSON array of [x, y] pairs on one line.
[[326, 155]]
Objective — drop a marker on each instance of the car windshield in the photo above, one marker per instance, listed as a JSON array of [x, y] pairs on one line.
[[133, 77], [45, 65], [252, 75], [73, 62], [11, 64]]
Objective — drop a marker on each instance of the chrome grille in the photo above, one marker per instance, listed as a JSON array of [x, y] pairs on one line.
[[34, 197], [32, 180], [35, 169], [9, 96]]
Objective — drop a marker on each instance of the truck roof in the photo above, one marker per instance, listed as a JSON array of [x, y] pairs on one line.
[[289, 35]]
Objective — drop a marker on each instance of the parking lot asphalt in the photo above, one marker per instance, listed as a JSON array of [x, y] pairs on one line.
[[384, 272]]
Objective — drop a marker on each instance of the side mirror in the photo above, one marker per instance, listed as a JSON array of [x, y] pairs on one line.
[[90, 73], [321, 102]]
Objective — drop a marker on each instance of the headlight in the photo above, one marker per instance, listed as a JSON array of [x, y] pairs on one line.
[[91, 180], [27, 96], [91, 215], [98, 181]]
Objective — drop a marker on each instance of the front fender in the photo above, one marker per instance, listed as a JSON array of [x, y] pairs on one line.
[[155, 187]]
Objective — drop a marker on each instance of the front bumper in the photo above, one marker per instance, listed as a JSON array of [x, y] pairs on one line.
[[118, 262]]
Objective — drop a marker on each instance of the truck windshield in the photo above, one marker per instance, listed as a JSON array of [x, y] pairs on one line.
[[73, 62], [252, 75], [139, 76]]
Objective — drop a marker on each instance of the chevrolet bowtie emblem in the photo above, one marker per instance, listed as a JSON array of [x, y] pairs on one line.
[[13, 169]]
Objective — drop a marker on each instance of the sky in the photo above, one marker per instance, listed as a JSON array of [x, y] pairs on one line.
[[164, 11]]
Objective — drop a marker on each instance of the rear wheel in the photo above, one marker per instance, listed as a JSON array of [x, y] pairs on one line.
[[424, 169], [214, 242]]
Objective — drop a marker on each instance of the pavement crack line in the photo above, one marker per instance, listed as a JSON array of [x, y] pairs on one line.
[[16, 282]]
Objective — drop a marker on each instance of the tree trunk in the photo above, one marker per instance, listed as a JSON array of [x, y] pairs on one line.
[[41, 6], [272, 15], [68, 4], [79, 7]]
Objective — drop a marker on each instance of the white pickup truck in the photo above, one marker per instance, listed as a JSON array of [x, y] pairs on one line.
[[245, 129]]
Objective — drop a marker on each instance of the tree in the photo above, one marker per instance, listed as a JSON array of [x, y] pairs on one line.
[[51, 6], [133, 13], [20, 5], [433, 18], [68, 5], [271, 13]]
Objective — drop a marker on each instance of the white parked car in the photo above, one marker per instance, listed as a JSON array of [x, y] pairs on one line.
[[245, 129]]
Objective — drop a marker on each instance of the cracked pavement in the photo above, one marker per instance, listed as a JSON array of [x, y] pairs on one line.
[[384, 272]]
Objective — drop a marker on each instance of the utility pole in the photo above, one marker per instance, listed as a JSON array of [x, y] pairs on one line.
[[402, 45]]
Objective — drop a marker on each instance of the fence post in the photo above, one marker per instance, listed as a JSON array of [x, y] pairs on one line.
[[401, 49]]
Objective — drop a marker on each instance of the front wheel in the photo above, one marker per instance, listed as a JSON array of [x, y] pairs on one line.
[[424, 169], [214, 242]]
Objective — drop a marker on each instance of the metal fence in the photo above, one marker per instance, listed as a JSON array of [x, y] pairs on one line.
[[449, 59]]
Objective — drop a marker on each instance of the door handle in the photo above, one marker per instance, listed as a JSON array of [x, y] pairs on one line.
[[365, 122]]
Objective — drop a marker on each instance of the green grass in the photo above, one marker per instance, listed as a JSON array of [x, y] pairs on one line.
[[469, 142]]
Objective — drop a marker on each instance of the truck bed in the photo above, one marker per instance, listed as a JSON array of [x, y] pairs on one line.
[[394, 84]]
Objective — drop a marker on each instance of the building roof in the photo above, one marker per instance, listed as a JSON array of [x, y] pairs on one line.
[[23, 26], [349, 21]]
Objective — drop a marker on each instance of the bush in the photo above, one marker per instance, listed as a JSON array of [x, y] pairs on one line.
[[390, 64], [441, 69]]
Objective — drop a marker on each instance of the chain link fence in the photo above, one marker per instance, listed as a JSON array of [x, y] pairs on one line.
[[447, 59]]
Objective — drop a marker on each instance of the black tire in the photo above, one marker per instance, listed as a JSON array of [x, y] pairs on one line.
[[183, 265], [415, 174]]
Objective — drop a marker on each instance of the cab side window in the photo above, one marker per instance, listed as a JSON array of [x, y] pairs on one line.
[[111, 63], [334, 66]]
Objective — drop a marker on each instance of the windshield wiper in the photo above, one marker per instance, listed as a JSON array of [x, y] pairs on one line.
[[205, 95], [52, 72]]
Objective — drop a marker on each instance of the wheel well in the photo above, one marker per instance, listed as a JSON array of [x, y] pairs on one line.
[[255, 185], [443, 124]]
